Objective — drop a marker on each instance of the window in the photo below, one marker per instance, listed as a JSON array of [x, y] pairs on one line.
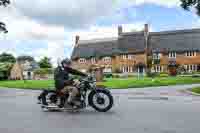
[[191, 67], [172, 55], [130, 57], [156, 56], [127, 69], [107, 70], [158, 68], [93, 60], [107, 59], [190, 53], [124, 57], [82, 60]]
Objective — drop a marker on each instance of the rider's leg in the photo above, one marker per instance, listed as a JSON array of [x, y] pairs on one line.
[[62, 95], [43, 97], [74, 94]]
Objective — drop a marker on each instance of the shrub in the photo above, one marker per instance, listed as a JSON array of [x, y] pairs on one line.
[[152, 74], [163, 75], [108, 75], [43, 71], [116, 76], [130, 75], [196, 75], [117, 70]]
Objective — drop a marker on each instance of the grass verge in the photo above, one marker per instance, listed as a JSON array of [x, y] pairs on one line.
[[196, 90], [114, 83]]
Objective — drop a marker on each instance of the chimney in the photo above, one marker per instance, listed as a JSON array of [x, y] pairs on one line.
[[146, 28], [120, 30], [147, 50], [77, 40]]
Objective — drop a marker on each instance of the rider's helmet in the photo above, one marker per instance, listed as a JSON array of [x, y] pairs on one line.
[[66, 62]]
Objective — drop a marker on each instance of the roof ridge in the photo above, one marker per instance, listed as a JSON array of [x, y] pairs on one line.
[[194, 30], [98, 40], [132, 33]]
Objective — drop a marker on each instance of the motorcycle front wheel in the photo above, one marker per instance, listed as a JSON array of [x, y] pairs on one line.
[[101, 100]]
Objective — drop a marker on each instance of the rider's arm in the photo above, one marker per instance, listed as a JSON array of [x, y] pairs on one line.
[[75, 72]]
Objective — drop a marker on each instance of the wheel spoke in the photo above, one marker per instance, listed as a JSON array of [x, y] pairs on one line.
[[105, 98]]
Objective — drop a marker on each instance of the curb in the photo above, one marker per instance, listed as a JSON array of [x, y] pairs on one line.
[[191, 93]]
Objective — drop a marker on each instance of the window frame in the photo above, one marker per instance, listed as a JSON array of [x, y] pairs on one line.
[[172, 54], [107, 59], [82, 60], [157, 55], [93, 60], [190, 53]]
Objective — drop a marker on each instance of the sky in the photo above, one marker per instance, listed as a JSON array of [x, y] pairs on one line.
[[48, 27]]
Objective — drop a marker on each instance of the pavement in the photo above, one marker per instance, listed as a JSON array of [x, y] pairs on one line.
[[142, 110]]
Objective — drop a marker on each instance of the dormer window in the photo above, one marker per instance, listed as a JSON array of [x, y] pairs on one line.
[[156, 56], [82, 60], [172, 55], [93, 60], [190, 53], [107, 59], [124, 56], [129, 56]]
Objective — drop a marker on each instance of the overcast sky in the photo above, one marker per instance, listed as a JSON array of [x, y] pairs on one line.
[[48, 27]]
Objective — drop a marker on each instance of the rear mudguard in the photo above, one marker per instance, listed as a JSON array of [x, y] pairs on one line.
[[98, 89]]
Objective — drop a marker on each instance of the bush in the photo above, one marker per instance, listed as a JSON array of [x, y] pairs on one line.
[[196, 75], [43, 71], [117, 70], [131, 75], [152, 74], [108, 75], [163, 74], [116, 76]]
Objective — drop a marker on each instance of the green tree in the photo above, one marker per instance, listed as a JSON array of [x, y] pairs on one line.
[[188, 4], [2, 25], [45, 63], [5, 68], [25, 58], [5, 57]]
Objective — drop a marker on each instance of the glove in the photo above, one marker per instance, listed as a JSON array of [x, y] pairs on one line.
[[76, 82]]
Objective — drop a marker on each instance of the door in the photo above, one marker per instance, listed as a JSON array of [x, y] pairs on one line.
[[140, 69], [29, 75]]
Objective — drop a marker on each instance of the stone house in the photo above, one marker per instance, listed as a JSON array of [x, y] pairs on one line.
[[23, 70], [130, 51]]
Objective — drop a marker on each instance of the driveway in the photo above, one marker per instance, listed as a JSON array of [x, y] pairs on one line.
[[142, 110]]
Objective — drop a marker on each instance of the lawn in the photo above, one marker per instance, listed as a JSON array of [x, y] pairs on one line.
[[114, 83], [149, 82], [196, 90], [28, 84]]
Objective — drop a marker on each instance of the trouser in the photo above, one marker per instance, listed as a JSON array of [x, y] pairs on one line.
[[72, 91], [43, 97]]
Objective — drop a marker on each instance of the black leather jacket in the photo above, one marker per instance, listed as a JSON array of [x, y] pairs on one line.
[[61, 76]]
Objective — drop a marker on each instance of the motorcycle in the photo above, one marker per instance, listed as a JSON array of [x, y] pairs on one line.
[[100, 99]]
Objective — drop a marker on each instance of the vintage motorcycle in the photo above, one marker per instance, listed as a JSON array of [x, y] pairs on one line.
[[100, 99]]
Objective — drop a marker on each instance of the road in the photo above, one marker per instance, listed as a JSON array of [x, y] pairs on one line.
[[148, 110]]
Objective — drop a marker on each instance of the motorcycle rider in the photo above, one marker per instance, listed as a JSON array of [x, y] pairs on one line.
[[65, 85]]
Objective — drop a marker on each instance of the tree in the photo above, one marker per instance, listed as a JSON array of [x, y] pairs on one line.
[[2, 25], [5, 68], [45, 63], [5, 57], [188, 4], [25, 58]]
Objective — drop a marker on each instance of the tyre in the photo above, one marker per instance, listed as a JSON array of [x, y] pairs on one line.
[[101, 100]]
